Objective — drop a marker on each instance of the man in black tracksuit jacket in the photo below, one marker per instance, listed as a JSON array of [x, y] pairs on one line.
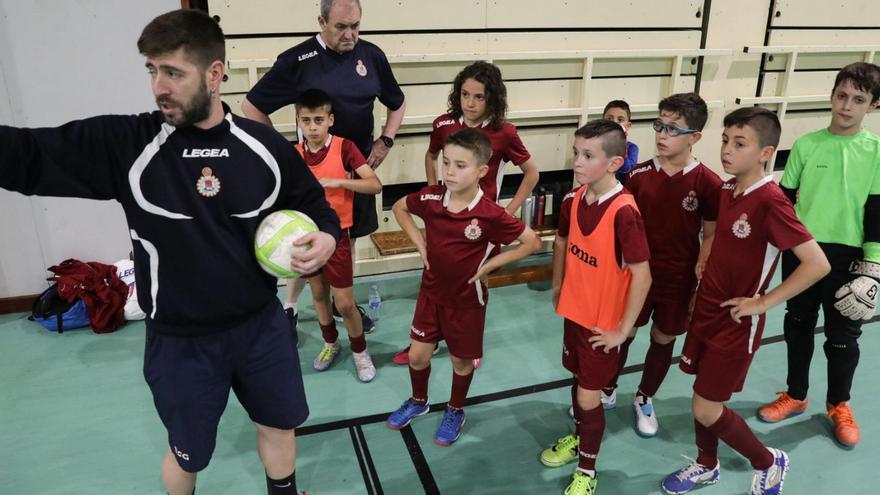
[[194, 182]]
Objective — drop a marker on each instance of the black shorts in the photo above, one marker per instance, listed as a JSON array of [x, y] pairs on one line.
[[190, 378], [364, 218]]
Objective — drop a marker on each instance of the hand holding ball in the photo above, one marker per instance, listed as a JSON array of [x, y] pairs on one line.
[[273, 243]]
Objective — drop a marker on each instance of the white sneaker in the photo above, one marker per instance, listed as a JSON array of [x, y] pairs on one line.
[[609, 402], [363, 363], [328, 354], [645, 417]]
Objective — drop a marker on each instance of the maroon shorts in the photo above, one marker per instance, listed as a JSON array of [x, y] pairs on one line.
[[338, 272], [592, 367], [461, 328], [670, 316], [719, 375]]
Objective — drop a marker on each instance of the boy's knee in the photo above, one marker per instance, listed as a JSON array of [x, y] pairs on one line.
[[661, 338]]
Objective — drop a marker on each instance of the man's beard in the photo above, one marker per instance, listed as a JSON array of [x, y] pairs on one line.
[[198, 109]]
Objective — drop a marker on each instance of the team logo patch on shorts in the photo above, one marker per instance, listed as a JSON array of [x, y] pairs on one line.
[[690, 202], [473, 231], [361, 69], [741, 227], [208, 185]]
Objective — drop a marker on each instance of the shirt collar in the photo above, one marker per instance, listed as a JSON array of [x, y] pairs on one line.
[[689, 167], [758, 184], [611, 192], [473, 203], [321, 41], [482, 124]]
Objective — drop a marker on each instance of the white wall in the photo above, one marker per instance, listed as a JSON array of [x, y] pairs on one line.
[[59, 61]]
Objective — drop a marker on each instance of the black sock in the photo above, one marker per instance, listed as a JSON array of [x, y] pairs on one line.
[[284, 486]]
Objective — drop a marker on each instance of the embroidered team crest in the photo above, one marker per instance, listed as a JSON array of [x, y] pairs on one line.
[[690, 202], [741, 227], [473, 231], [361, 69], [208, 185]]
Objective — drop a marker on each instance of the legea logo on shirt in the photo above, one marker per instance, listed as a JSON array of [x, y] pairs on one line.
[[445, 122], [431, 197], [205, 153], [307, 55]]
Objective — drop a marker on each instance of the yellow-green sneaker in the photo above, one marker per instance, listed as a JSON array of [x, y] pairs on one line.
[[581, 484], [565, 451]]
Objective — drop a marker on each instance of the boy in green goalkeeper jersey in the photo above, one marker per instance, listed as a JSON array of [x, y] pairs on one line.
[[833, 178]]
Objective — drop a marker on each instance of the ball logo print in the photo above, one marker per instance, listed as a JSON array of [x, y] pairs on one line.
[[273, 242], [690, 202], [741, 227], [208, 185], [473, 231]]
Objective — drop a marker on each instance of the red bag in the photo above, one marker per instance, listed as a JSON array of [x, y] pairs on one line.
[[98, 286]]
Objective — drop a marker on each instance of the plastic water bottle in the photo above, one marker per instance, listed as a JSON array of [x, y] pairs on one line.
[[374, 310]]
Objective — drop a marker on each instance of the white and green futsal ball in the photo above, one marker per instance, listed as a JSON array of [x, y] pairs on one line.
[[273, 242]]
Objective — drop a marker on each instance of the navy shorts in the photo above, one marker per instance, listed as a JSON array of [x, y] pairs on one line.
[[190, 378]]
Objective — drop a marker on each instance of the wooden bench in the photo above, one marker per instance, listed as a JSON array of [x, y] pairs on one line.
[[397, 242]]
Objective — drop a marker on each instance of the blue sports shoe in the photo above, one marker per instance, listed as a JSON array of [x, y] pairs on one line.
[[690, 477], [450, 427], [769, 481], [407, 412]]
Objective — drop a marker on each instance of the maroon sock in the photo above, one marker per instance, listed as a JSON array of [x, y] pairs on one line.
[[591, 426], [657, 363], [707, 446], [358, 344], [329, 332], [419, 380], [460, 386], [731, 428], [624, 352]]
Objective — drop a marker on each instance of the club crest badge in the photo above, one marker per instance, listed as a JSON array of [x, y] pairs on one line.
[[690, 202], [361, 69], [473, 231], [208, 185], [741, 227]]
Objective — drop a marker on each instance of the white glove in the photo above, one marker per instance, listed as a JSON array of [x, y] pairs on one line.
[[857, 300]]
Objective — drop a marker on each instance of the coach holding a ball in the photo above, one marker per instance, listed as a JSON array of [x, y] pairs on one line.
[[194, 182]]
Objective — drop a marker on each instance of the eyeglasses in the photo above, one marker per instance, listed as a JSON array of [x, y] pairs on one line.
[[672, 130]]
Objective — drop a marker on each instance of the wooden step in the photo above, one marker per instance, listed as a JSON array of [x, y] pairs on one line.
[[397, 242]]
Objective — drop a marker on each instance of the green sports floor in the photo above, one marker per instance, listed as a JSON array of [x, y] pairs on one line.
[[77, 418]]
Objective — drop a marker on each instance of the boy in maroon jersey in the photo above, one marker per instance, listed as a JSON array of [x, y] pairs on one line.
[[755, 222], [462, 224], [678, 198]]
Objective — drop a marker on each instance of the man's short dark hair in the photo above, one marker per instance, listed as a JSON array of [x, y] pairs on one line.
[[611, 133], [314, 99], [474, 141], [688, 106], [863, 76], [193, 30], [764, 122], [618, 104]]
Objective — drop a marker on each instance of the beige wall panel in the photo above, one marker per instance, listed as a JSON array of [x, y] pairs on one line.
[[593, 13], [802, 83], [391, 44], [504, 42], [826, 13], [296, 16], [814, 60], [798, 124], [780, 37]]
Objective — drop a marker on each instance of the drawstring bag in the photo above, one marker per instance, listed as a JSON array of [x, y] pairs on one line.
[[56, 314]]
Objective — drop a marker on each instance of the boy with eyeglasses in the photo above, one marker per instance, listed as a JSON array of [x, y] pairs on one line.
[[678, 198]]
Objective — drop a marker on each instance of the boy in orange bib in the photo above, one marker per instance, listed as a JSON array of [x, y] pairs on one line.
[[600, 280]]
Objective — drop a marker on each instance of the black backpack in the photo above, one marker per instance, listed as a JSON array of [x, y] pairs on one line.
[[56, 314]]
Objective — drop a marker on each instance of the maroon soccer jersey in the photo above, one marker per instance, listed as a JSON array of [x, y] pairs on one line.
[[506, 147], [673, 209], [630, 244], [752, 229], [459, 243]]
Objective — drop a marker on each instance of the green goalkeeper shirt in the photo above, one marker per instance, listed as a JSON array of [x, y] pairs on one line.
[[834, 177]]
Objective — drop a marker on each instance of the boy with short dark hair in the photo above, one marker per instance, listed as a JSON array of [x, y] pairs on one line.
[[618, 111], [600, 280], [677, 196], [833, 178], [335, 161], [755, 223], [462, 225]]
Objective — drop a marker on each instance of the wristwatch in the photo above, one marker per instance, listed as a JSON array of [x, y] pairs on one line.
[[387, 141]]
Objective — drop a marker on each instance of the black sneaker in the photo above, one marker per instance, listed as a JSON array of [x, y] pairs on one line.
[[369, 326]]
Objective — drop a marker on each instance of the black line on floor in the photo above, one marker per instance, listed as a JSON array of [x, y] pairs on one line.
[[505, 394], [360, 457], [377, 484], [419, 461]]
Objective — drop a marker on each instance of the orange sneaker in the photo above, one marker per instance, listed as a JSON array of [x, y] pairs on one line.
[[784, 407], [846, 431]]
